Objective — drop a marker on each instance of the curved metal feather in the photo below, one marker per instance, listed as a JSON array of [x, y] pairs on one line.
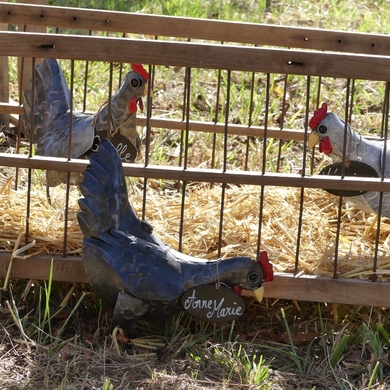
[[105, 205]]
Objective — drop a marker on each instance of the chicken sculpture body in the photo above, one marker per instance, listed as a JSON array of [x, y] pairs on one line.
[[53, 119], [329, 130], [131, 269]]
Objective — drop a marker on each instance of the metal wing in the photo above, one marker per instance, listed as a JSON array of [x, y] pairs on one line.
[[52, 116], [147, 271]]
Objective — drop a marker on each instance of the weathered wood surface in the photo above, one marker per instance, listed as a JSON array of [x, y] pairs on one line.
[[190, 28], [203, 175], [194, 55], [285, 286]]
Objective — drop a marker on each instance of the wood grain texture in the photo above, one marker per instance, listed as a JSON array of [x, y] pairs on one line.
[[196, 55], [203, 175], [191, 28], [285, 286]]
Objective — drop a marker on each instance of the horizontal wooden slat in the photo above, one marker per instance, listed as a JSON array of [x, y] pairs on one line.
[[9, 108], [208, 127], [320, 289], [209, 56], [213, 30], [285, 286], [203, 175], [69, 269]]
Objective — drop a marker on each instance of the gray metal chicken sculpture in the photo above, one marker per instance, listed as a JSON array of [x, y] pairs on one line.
[[363, 157], [131, 269], [53, 119]]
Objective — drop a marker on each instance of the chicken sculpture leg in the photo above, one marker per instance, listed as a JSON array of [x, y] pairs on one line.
[[363, 157], [129, 267], [53, 119]]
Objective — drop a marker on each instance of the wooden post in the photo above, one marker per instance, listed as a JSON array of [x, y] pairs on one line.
[[4, 83]]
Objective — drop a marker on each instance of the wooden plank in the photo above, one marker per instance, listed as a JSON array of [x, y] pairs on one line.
[[285, 286], [190, 28], [219, 128], [209, 56], [208, 127], [321, 289], [203, 175], [69, 269], [11, 108]]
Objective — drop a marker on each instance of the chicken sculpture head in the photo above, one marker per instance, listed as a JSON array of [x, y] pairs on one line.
[[48, 114], [362, 157], [130, 268]]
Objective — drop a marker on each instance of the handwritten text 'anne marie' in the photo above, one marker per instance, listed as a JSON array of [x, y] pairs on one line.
[[214, 306]]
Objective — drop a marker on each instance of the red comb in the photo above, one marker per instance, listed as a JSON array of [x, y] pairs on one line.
[[266, 266], [318, 116], [140, 70]]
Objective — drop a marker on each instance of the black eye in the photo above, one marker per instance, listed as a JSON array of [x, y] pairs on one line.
[[253, 277], [322, 129], [135, 83]]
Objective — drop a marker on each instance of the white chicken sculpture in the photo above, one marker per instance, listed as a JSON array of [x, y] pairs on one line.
[[363, 157]]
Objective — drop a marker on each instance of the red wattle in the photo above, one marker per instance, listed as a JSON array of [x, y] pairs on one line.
[[326, 146], [133, 105], [141, 104], [266, 266], [237, 289]]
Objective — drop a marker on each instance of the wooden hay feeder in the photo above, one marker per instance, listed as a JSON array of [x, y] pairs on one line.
[[224, 168]]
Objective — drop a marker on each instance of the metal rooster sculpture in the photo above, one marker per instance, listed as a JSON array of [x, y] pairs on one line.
[[131, 269], [363, 157], [53, 119]]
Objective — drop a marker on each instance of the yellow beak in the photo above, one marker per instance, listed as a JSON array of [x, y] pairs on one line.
[[313, 139], [259, 293]]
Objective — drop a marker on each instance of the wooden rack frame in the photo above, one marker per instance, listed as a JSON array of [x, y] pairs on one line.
[[315, 53]]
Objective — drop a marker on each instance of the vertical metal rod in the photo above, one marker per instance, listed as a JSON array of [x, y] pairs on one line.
[[186, 93], [351, 105], [281, 122], [110, 82], [319, 79], [149, 113], [66, 212], [86, 81], [147, 140], [29, 174], [184, 183], [249, 121], [264, 162], [385, 132], [216, 119], [225, 148], [262, 188], [338, 228], [303, 173], [20, 90]]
